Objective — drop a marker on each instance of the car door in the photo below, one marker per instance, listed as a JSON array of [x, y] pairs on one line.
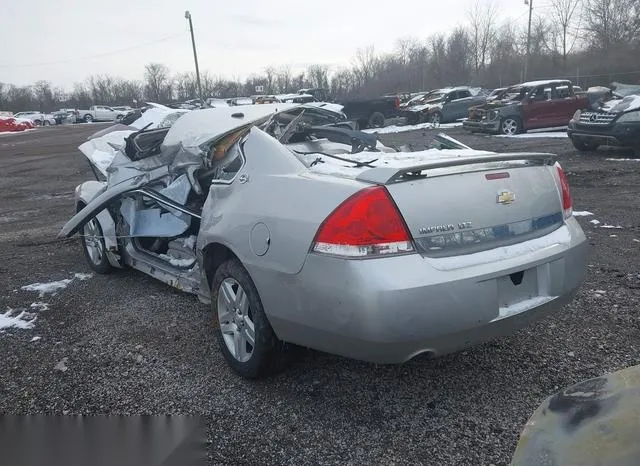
[[460, 106], [565, 104], [538, 108]]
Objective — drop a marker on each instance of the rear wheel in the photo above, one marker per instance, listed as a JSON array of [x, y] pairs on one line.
[[88, 118], [511, 126], [46, 123], [435, 119], [246, 339], [37, 122], [584, 146], [376, 120]]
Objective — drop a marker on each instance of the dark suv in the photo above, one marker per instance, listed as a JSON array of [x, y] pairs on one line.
[[612, 121]]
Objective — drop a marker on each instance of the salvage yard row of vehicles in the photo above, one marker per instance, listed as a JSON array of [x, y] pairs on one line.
[[299, 229]]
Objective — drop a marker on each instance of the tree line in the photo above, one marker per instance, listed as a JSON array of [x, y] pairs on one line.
[[592, 42]]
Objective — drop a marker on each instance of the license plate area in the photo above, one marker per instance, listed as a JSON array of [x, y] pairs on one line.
[[517, 287]]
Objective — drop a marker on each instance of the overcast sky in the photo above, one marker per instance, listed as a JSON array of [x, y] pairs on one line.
[[65, 41]]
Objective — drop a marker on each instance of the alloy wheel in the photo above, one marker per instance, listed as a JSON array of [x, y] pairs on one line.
[[234, 317], [93, 241], [510, 127]]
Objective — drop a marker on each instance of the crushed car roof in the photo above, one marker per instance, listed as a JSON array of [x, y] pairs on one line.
[[199, 126]]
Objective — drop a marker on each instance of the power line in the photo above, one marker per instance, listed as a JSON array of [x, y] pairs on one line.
[[90, 57]]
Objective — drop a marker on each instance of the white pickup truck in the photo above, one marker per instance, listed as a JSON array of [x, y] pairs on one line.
[[99, 113]]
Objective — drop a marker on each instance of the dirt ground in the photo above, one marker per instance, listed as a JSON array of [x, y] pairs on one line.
[[125, 343]]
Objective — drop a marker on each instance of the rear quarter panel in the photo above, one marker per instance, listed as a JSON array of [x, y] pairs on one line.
[[279, 198]]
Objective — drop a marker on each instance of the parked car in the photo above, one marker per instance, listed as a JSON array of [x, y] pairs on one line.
[[64, 116], [443, 105], [530, 105], [371, 113], [11, 124], [322, 237], [295, 98], [38, 118], [594, 422], [100, 113], [614, 121]]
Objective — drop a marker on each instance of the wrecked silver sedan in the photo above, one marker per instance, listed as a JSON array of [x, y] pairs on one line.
[[298, 229]]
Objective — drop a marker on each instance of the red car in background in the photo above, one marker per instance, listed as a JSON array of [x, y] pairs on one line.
[[10, 124], [531, 105]]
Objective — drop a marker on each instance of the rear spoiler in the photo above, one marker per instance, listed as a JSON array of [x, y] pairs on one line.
[[389, 175]]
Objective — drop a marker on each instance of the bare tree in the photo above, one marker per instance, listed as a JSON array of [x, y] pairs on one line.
[[157, 82], [482, 24], [318, 76], [612, 22], [270, 73], [283, 79], [566, 17]]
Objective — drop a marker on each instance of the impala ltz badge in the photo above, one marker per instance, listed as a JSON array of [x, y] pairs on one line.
[[445, 228], [505, 197]]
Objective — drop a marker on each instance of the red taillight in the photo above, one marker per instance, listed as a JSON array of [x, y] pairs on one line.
[[397, 103], [368, 224], [567, 203]]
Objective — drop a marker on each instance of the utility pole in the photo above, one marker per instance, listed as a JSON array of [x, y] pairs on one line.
[[526, 60], [187, 15]]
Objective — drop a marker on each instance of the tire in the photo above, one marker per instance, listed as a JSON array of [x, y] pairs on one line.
[[46, 123], [88, 118], [119, 118], [37, 122], [510, 126], [95, 251], [363, 124], [236, 308], [584, 146], [435, 119], [376, 120]]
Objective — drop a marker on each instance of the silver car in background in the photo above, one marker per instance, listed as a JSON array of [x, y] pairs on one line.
[[299, 230]]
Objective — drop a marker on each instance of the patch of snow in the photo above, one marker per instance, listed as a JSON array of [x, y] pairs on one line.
[[50, 287], [393, 129], [549, 134], [611, 226], [190, 242], [39, 306], [521, 306], [594, 221], [613, 236], [54, 287], [584, 213], [330, 166], [571, 354], [559, 236], [9, 319], [628, 103], [178, 262], [35, 339], [62, 365], [636, 240], [623, 160]]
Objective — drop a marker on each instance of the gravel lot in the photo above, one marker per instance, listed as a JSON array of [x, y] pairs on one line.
[[133, 345]]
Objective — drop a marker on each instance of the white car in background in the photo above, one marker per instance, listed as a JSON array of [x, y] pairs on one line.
[[38, 118]]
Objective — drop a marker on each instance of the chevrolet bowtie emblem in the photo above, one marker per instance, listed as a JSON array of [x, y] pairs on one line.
[[505, 197]]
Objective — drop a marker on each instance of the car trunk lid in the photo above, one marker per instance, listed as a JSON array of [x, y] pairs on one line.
[[464, 206]]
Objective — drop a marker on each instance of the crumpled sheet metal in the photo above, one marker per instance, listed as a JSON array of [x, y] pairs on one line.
[[592, 423]]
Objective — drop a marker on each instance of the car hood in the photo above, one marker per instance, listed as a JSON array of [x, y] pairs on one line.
[[423, 107], [626, 104]]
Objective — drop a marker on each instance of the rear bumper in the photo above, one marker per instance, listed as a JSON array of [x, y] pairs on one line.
[[620, 134], [390, 310], [484, 126]]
